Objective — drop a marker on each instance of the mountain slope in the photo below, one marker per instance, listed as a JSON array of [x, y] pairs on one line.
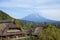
[[37, 18], [4, 16]]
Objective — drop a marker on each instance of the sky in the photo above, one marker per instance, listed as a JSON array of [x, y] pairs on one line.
[[18, 9]]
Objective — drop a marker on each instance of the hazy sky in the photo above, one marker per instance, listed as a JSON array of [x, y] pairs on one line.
[[21, 8]]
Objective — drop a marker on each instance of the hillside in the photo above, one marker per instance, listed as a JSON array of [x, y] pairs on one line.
[[5, 16], [21, 22]]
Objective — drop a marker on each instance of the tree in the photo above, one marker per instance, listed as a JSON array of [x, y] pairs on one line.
[[49, 32], [19, 23], [4, 16]]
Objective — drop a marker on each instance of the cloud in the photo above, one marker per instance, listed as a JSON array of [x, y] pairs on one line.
[[46, 8], [4, 1], [51, 14], [26, 3], [14, 5]]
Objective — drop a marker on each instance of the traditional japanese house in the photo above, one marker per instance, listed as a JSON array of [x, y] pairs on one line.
[[28, 31], [37, 30], [9, 29]]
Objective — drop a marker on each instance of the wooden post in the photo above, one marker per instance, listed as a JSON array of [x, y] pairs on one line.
[[1, 38], [8, 38]]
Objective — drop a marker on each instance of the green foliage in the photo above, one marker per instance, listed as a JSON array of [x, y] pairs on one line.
[[4, 16], [19, 23], [50, 32], [29, 38], [28, 25]]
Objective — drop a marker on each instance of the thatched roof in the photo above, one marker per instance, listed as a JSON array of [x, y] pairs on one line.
[[8, 25], [6, 21], [37, 30], [12, 32], [28, 31]]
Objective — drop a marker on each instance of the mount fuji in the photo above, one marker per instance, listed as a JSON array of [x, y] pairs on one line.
[[37, 18]]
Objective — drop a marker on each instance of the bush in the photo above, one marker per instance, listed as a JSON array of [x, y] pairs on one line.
[[50, 32]]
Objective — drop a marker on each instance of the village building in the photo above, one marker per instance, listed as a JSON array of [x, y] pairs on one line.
[[9, 29], [28, 31], [37, 30]]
